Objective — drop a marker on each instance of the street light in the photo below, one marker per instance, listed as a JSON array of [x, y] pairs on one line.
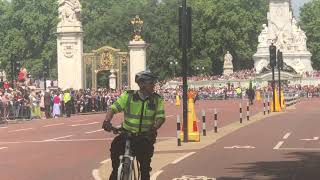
[[198, 68], [174, 63]]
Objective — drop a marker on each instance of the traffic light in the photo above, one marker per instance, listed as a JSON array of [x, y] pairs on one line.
[[188, 27], [273, 55], [17, 66], [45, 69], [280, 59]]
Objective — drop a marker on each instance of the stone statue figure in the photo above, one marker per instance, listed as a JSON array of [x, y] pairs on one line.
[[227, 65], [69, 11], [228, 58], [263, 37]]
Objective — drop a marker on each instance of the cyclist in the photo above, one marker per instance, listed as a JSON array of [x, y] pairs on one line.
[[143, 116]]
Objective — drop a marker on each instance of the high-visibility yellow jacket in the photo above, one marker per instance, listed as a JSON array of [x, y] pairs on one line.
[[66, 97], [139, 115]]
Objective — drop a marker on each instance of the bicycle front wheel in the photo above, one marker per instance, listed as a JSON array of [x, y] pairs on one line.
[[125, 173]]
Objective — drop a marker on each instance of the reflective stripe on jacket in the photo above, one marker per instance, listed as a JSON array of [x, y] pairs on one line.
[[131, 104]]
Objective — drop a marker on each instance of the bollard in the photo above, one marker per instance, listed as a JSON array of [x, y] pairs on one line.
[[248, 111], [204, 131], [264, 107], [178, 130], [268, 104], [215, 121], [240, 112]]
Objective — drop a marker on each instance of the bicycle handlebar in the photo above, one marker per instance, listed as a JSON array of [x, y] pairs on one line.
[[116, 130]]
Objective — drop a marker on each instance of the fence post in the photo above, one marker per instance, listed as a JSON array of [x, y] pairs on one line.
[[178, 130], [204, 131], [248, 112], [240, 112], [268, 104], [215, 121], [264, 106]]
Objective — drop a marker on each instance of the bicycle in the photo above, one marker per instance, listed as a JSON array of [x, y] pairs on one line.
[[126, 169]]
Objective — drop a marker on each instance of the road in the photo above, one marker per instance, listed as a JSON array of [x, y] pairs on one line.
[[282, 147], [70, 148]]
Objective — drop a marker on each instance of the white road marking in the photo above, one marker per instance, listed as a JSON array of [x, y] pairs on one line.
[[65, 140], [105, 161], [240, 147], [3, 127], [190, 177], [313, 139], [183, 157], [84, 124], [278, 145], [53, 125], [301, 149], [53, 139], [21, 130], [89, 132], [169, 116], [155, 175], [80, 120], [3, 148], [95, 174], [286, 136], [166, 137]]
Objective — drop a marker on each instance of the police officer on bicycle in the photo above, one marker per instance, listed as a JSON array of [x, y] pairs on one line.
[[143, 116]]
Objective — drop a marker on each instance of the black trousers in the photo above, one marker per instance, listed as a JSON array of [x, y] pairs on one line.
[[68, 108], [141, 146], [47, 111]]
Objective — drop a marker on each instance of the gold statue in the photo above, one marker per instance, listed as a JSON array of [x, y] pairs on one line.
[[137, 28]]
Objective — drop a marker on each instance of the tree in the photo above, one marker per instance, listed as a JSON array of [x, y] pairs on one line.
[[29, 34], [223, 26], [310, 23]]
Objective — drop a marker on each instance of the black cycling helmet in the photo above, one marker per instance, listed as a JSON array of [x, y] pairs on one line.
[[146, 75]]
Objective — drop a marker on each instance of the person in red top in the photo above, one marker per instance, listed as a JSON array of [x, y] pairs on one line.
[[6, 85], [56, 106]]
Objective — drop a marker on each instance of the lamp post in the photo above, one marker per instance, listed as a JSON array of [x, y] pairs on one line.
[[174, 63]]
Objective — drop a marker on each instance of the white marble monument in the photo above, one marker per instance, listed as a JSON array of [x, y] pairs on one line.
[[138, 53], [227, 64], [283, 31], [70, 45]]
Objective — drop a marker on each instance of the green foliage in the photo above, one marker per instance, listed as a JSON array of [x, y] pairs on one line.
[[310, 23], [28, 31], [28, 35]]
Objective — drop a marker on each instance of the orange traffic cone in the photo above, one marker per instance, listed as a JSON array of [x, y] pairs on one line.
[[277, 103], [178, 103], [258, 96], [283, 102], [193, 130]]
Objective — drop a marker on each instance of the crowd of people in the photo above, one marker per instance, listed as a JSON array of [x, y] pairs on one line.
[[314, 74], [26, 103], [242, 74]]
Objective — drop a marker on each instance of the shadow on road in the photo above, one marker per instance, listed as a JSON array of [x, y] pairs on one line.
[[297, 166]]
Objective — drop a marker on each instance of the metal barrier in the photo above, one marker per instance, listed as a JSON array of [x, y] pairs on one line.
[[14, 112], [291, 98]]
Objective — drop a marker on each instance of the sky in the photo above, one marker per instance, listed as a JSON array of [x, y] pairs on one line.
[[296, 4]]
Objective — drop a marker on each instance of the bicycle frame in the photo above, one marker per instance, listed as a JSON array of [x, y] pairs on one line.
[[126, 166]]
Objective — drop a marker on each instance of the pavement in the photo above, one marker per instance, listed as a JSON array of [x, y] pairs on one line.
[[167, 152]]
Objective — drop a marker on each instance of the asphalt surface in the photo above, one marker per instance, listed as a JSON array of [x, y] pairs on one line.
[[281, 147], [71, 148]]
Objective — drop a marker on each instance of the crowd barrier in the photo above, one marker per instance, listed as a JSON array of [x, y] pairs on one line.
[[10, 111], [291, 98]]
